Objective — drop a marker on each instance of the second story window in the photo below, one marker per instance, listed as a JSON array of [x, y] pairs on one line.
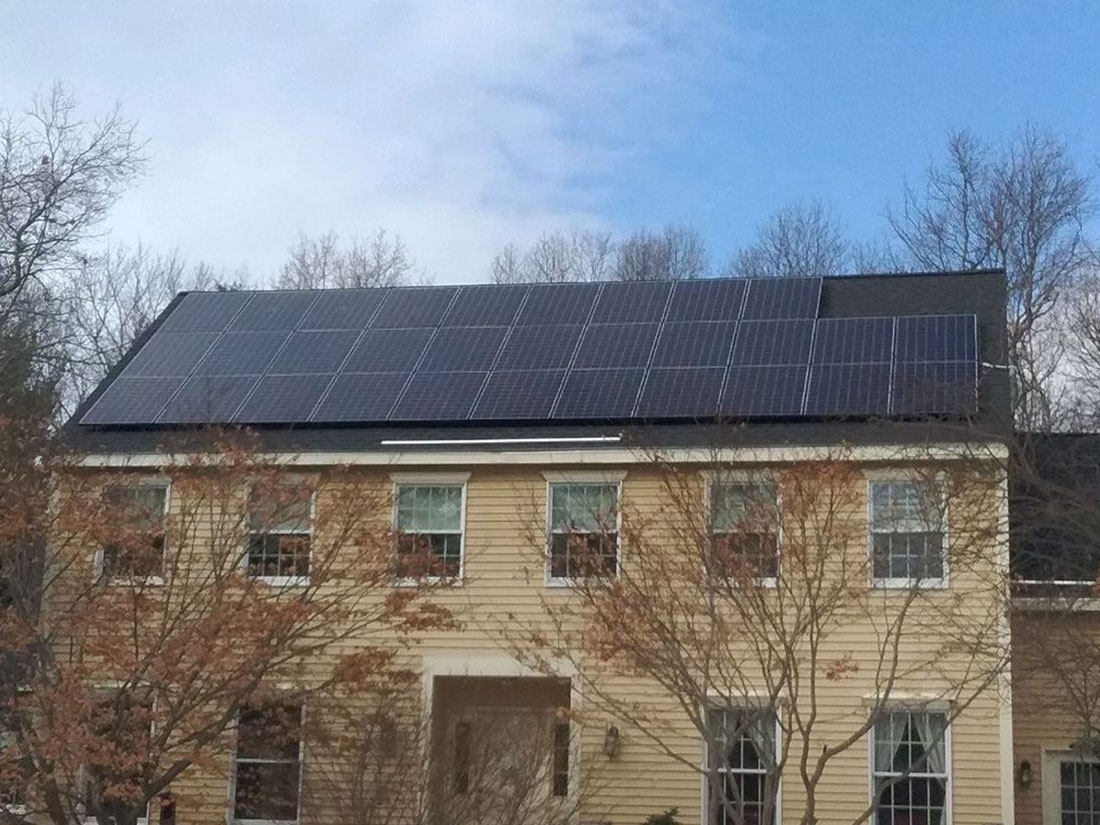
[[280, 534], [136, 515], [584, 530], [745, 530], [907, 534], [429, 530], [268, 764]]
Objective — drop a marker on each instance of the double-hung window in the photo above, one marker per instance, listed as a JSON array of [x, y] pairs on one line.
[[745, 530], [742, 777], [280, 533], [429, 530], [1078, 791], [268, 763], [584, 530], [910, 768], [907, 533], [136, 515]]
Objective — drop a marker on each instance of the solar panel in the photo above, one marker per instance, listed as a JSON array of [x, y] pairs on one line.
[[361, 397], [848, 389], [311, 352], [558, 304], [485, 306], [782, 298], [767, 390], [631, 302], [433, 396], [599, 393], [208, 399], [936, 338], [536, 348], [707, 300], [132, 400], [681, 392], [344, 309], [935, 388], [463, 348], [273, 310], [414, 307], [204, 312], [760, 343], [616, 345], [388, 350], [517, 394], [283, 399], [242, 353], [694, 344], [853, 340], [170, 353]]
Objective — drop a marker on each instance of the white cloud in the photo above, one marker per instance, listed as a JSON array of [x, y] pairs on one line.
[[459, 125]]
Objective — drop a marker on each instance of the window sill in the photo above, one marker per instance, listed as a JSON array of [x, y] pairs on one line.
[[281, 581], [909, 584], [573, 581], [133, 581], [453, 581], [236, 821]]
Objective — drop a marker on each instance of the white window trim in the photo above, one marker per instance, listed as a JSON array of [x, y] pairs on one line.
[[139, 581], [745, 702], [614, 479], [711, 478], [894, 583], [916, 706], [301, 774], [280, 581], [433, 480]]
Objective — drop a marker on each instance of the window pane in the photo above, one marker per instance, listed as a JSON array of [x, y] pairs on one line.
[[425, 509], [583, 554], [135, 546], [744, 507], [280, 508], [269, 732], [429, 554], [583, 507], [267, 790], [273, 555], [142, 505], [906, 506]]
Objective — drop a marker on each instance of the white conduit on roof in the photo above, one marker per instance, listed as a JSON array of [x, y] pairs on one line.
[[456, 442]]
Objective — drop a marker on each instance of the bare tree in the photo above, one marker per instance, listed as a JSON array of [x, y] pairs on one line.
[[114, 297], [557, 257], [1021, 208], [59, 175], [800, 240], [321, 262], [675, 253]]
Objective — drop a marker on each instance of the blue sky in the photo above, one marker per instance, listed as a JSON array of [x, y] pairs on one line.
[[466, 125]]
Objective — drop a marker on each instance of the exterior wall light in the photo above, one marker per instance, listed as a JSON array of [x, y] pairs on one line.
[[1023, 774], [611, 742]]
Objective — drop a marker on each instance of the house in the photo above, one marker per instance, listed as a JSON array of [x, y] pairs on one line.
[[844, 440]]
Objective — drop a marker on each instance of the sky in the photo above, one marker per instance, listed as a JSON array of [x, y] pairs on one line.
[[466, 125]]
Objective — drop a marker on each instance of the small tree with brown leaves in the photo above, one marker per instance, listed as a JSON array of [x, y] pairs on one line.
[[146, 614], [749, 602]]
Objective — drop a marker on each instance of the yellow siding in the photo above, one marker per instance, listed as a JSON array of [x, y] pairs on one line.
[[504, 523]]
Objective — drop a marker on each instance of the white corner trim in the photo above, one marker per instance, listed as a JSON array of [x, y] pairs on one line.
[[584, 476], [429, 477]]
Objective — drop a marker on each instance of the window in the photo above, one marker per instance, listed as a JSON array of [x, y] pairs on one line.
[[907, 539], [268, 763], [429, 529], [745, 530], [135, 546], [742, 781], [280, 533], [910, 768], [584, 532], [122, 727], [559, 780], [1079, 783]]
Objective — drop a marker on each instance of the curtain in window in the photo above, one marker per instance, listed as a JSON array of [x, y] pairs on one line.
[[429, 509], [931, 728], [586, 508]]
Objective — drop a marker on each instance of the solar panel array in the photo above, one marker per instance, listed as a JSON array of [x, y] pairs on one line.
[[645, 350]]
